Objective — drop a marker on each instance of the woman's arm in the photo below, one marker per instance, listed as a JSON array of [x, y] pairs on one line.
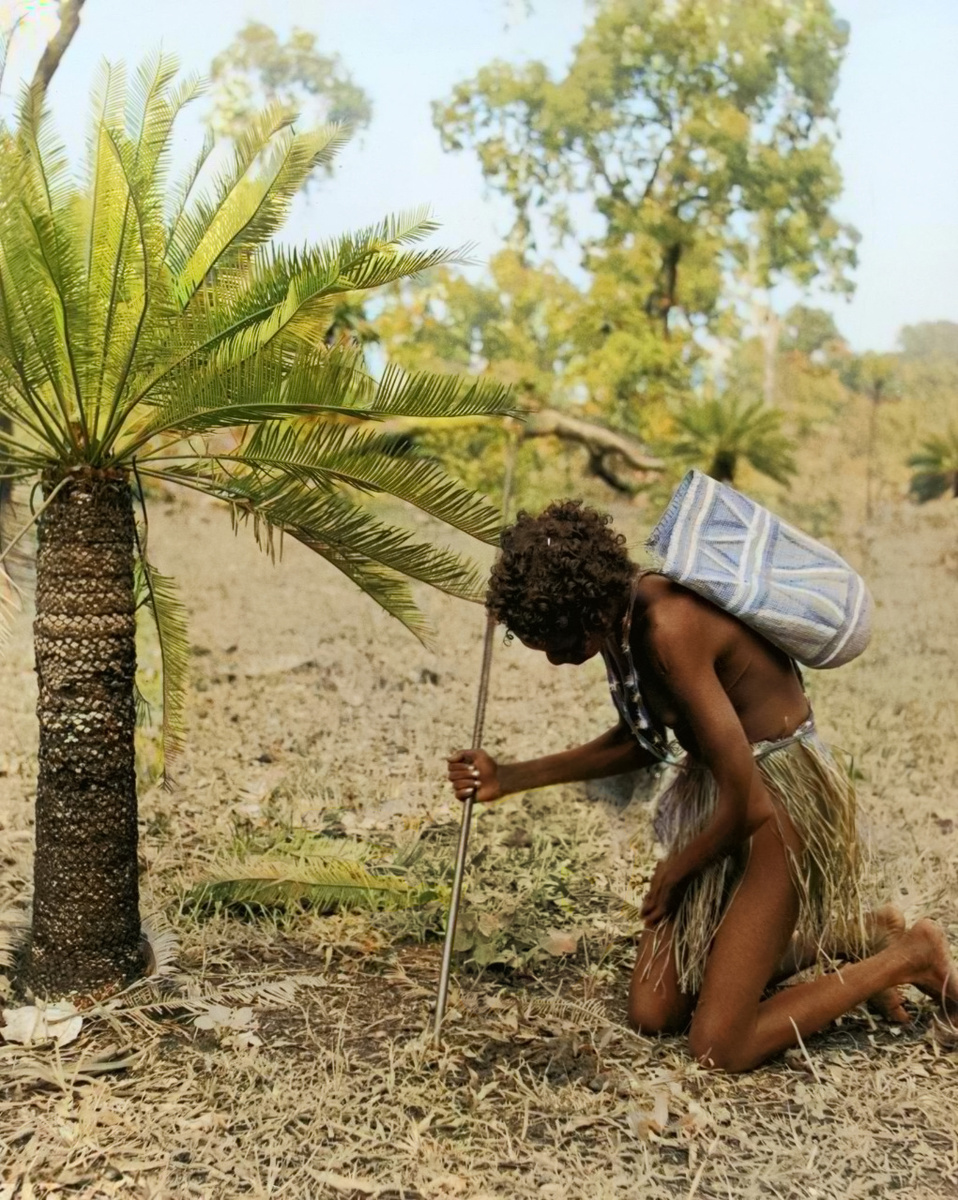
[[613, 753]]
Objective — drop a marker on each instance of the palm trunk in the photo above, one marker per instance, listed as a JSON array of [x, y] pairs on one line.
[[723, 466], [86, 925]]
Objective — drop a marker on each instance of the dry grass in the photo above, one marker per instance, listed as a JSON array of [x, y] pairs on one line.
[[315, 1076]]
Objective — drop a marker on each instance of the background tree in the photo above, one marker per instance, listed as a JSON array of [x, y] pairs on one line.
[[935, 467], [718, 434], [935, 341], [257, 69], [137, 320], [529, 328], [876, 377], [811, 359], [687, 144]]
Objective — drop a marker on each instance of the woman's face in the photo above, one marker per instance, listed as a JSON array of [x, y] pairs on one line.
[[569, 648]]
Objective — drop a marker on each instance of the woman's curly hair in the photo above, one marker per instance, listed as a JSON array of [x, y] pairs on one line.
[[558, 575]]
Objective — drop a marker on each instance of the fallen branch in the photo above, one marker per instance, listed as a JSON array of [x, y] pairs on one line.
[[549, 422], [603, 445]]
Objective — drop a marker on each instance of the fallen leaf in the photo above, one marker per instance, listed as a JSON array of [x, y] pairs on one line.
[[33, 1024], [560, 941]]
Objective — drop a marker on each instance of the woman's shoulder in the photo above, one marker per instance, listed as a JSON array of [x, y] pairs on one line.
[[674, 616]]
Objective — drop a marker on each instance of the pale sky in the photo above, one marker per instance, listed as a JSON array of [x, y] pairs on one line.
[[898, 105]]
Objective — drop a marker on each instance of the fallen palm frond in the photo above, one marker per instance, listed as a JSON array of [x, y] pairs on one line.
[[585, 1014], [309, 871]]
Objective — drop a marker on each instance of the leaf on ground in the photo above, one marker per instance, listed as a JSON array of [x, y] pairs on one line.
[[33, 1025], [560, 941]]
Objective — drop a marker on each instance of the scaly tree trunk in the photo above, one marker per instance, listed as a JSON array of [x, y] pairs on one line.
[[86, 925]]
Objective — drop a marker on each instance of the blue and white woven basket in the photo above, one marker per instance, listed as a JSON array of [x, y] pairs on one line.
[[787, 586]]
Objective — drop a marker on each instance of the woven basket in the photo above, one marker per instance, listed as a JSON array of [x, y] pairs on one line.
[[797, 593]]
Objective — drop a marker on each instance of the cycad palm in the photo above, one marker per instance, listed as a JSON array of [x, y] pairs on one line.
[[935, 467], [717, 434], [132, 326]]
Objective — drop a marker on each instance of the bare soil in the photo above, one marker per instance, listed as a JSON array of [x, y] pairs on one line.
[[310, 705]]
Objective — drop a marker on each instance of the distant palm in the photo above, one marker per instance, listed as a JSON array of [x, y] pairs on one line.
[[717, 435], [935, 467], [137, 322]]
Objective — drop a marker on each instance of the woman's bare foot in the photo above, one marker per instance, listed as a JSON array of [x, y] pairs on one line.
[[885, 926], [934, 971]]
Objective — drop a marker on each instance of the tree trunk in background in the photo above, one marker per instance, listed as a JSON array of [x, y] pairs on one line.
[[86, 925], [724, 466]]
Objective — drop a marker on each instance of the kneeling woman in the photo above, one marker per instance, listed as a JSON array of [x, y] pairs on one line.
[[762, 874]]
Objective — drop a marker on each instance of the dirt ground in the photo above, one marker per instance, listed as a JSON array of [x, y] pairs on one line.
[[310, 705]]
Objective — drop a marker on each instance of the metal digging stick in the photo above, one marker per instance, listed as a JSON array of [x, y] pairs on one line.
[[481, 699]]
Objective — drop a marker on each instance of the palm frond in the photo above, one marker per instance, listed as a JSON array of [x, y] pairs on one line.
[[132, 323], [716, 433], [326, 455], [314, 383], [306, 844], [161, 598], [325, 884], [332, 524], [585, 1014], [249, 206], [935, 467]]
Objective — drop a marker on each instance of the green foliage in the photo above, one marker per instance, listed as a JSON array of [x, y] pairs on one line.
[[520, 324], [717, 434], [935, 467], [156, 329], [307, 870], [531, 329], [159, 595], [874, 375], [688, 148], [700, 132], [811, 332], [257, 69], [930, 340], [531, 884]]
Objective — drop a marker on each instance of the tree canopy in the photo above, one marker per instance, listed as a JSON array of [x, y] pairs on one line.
[[257, 69], [685, 141]]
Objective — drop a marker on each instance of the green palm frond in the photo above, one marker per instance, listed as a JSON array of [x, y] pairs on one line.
[[160, 596], [326, 455], [324, 884], [716, 434], [249, 205], [306, 844], [332, 523], [935, 467]]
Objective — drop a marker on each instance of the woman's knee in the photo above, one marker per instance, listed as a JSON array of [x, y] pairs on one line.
[[653, 1009], [716, 1044]]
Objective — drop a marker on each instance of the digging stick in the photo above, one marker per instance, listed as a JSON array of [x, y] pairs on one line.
[[464, 832], [481, 699]]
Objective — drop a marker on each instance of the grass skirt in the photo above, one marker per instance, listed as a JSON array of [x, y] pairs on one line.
[[803, 777]]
